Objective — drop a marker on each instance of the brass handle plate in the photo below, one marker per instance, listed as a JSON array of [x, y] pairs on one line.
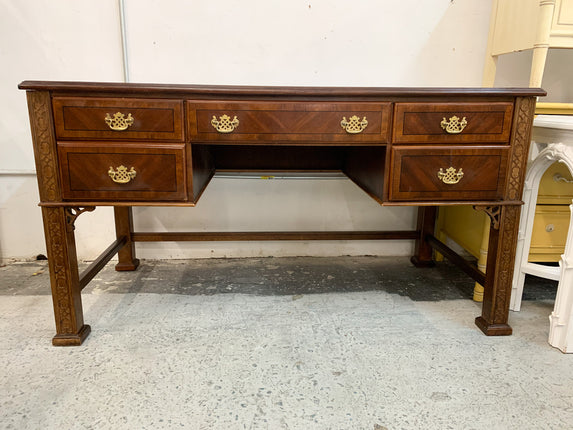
[[450, 176], [225, 124], [121, 175], [353, 125], [119, 121], [454, 125]]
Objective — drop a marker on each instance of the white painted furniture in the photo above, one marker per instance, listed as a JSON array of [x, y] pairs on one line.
[[518, 25], [552, 128]]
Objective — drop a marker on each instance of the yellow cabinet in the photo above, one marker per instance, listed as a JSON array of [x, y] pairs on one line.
[[556, 186], [549, 233], [552, 215]]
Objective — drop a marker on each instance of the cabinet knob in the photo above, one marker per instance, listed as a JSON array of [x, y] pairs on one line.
[[353, 125], [454, 125], [450, 176], [121, 175], [119, 121], [225, 124]]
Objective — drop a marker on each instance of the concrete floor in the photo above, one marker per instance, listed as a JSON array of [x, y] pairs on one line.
[[278, 343]]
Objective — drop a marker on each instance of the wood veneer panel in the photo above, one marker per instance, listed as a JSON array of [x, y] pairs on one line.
[[160, 171], [365, 166], [415, 173], [307, 123], [421, 122], [203, 169], [84, 118]]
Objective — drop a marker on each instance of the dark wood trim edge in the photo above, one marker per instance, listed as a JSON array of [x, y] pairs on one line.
[[470, 269], [93, 269], [271, 235]]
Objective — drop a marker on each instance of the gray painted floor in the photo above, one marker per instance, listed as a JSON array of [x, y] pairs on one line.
[[289, 343]]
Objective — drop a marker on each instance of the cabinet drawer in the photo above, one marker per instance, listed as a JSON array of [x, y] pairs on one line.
[[556, 185], [452, 122], [549, 235], [313, 123], [448, 173], [118, 118], [122, 171]]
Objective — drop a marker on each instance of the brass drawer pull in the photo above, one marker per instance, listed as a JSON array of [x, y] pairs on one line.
[[224, 124], [119, 122], [450, 176], [121, 175], [454, 125], [353, 125]]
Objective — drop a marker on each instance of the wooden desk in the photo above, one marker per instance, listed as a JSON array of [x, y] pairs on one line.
[[127, 145]]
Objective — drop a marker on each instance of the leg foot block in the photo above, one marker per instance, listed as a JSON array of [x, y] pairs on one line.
[[422, 263], [72, 339], [127, 267], [493, 329]]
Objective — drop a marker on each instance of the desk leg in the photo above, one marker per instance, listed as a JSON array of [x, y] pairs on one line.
[[423, 256], [499, 270], [64, 277], [124, 227]]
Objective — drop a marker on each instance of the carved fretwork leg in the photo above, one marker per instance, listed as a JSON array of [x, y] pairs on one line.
[[124, 227], [426, 224], [499, 271], [64, 278]]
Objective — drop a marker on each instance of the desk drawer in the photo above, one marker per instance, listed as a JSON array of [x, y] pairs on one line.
[[118, 118], [312, 123], [437, 123], [122, 171], [448, 173]]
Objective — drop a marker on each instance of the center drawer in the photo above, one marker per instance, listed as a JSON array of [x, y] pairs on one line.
[[122, 171], [448, 173], [313, 123]]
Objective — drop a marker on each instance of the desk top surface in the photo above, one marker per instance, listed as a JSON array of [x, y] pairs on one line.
[[270, 91]]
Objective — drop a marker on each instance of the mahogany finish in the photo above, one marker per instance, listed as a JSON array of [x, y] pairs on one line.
[[415, 173], [80, 118], [160, 171], [304, 123], [423, 256], [421, 122], [124, 231], [400, 156]]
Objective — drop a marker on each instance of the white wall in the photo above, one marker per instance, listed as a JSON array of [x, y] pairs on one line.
[[258, 42]]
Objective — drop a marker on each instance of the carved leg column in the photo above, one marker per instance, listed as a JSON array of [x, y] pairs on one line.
[[124, 227], [426, 224], [499, 270], [64, 277]]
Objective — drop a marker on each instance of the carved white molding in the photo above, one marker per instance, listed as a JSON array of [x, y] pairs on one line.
[[561, 319]]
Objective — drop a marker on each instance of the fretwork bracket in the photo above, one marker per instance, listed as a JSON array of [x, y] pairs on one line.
[[494, 213], [72, 213]]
